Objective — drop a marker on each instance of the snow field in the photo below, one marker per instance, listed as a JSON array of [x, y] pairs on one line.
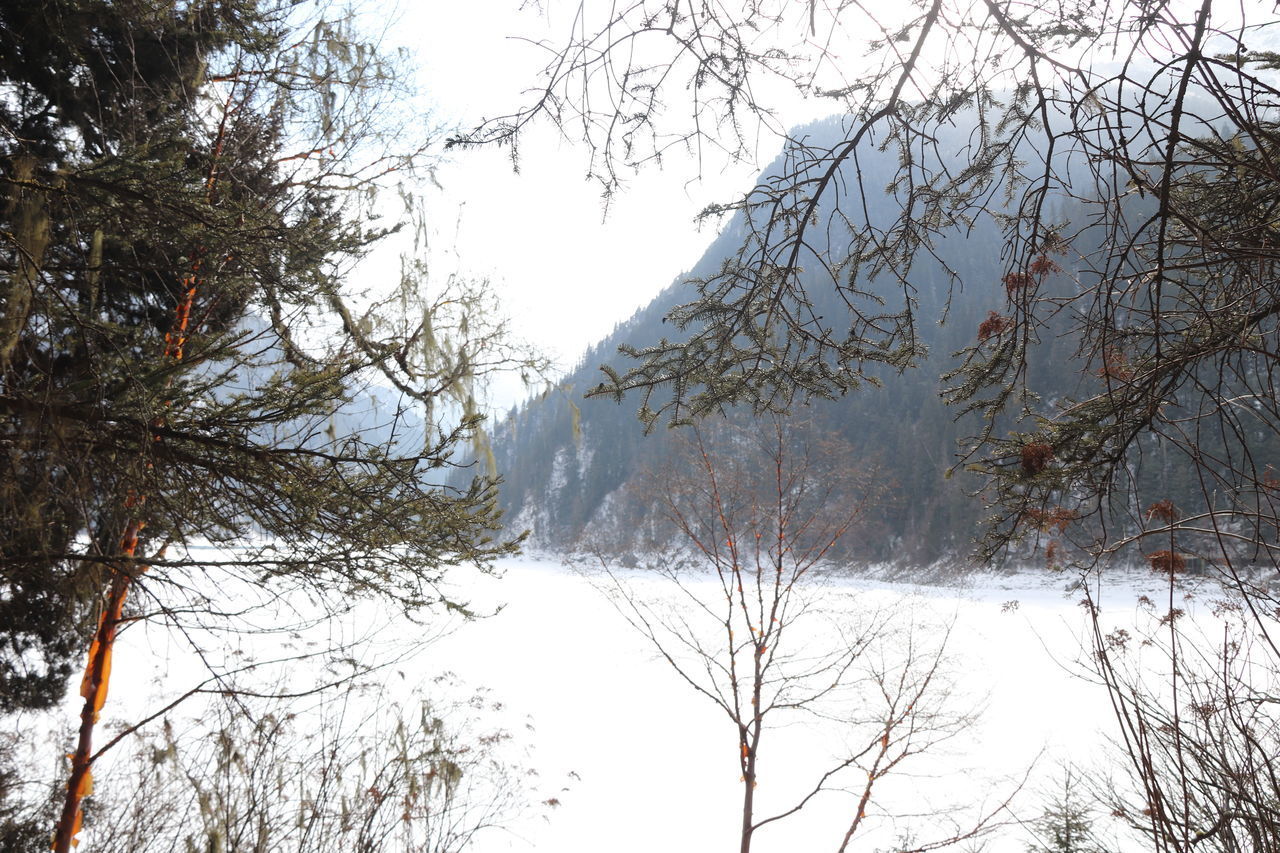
[[630, 759]]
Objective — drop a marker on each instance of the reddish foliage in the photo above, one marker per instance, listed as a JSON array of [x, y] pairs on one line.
[[1043, 265], [994, 326], [1118, 639], [1205, 710], [1051, 520], [1035, 457], [1015, 283], [1115, 365], [1166, 561], [1051, 556], [1163, 510]]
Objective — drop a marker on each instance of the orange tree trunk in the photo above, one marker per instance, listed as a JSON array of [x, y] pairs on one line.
[[93, 688]]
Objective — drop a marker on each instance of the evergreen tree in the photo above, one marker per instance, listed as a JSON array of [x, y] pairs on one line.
[[1066, 824], [183, 188]]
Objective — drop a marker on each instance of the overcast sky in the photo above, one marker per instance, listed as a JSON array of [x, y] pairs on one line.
[[567, 271]]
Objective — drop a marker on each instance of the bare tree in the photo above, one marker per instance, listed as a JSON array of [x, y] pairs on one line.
[[1195, 698], [755, 516]]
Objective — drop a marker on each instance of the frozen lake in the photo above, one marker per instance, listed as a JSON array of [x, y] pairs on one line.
[[656, 764], [637, 761]]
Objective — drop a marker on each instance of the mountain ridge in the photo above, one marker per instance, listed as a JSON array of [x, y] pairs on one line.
[[567, 462]]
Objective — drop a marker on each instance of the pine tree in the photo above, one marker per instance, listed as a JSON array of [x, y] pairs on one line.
[[183, 189], [1066, 824]]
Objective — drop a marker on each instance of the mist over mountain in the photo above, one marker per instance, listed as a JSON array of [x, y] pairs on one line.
[[570, 463]]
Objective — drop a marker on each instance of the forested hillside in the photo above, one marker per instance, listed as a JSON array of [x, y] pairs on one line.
[[568, 460]]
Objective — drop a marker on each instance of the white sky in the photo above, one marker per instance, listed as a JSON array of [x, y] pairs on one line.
[[567, 272]]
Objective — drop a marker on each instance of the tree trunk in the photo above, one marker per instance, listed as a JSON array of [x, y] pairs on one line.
[[97, 673], [31, 238]]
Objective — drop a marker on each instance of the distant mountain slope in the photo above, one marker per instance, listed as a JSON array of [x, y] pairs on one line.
[[567, 460]]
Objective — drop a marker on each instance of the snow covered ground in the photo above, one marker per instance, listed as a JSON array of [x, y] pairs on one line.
[[635, 761], [656, 764]]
